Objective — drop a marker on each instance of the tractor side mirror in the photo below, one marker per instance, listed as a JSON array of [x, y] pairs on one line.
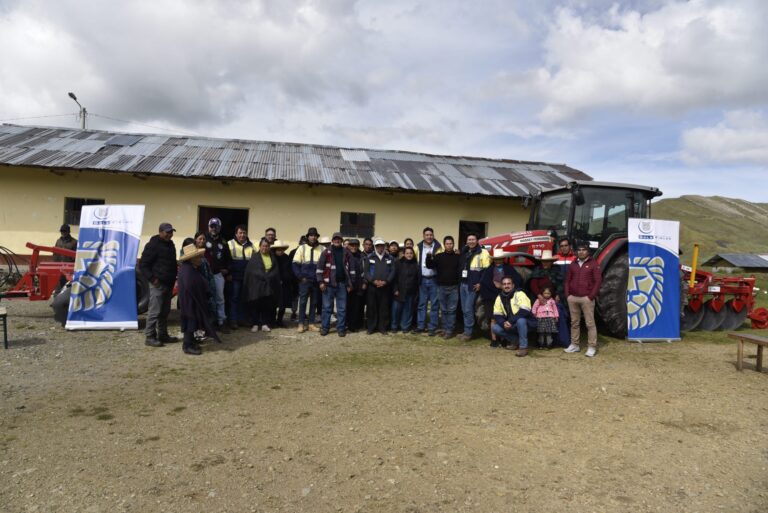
[[578, 197]]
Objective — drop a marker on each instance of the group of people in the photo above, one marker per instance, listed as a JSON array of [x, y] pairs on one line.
[[375, 285]]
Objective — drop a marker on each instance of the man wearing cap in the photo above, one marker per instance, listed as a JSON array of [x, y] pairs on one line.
[[427, 284], [379, 272], [474, 260], [66, 241], [158, 265], [355, 298], [241, 249], [582, 285], [335, 282], [490, 285], [219, 258], [305, 268]]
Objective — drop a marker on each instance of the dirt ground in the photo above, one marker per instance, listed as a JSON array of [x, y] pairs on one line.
[[96, 421]]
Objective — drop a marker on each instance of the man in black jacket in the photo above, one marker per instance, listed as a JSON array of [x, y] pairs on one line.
[[219, 258], [379, 272], [158, 265], [447, 266]]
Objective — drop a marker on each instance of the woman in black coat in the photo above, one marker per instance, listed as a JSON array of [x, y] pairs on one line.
[[286, 278], [262, 287], [193, 295], [405, 290]]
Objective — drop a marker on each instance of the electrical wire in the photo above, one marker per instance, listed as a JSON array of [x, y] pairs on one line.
[[145, 125], [12, 275], [39, 117]]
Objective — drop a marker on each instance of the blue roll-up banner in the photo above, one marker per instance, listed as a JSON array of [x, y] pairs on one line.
[[103, 294], [653, 287]]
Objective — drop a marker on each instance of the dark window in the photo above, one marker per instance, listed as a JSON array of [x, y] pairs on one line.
[[229, 217], [73, 207], [356, 224], [467, 227]]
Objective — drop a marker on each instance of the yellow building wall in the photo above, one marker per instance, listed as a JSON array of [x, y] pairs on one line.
[[32, 206]]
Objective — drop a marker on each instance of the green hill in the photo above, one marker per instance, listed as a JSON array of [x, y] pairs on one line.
[[717, 224]]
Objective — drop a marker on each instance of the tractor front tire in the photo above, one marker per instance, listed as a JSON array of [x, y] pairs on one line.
[[612, 298]]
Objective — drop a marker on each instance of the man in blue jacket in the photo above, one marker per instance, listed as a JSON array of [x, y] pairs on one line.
[[379, 272]]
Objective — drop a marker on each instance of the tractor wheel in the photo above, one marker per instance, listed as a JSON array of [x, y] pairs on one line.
[[60, 305], [612, 298], [142, 294], [733, 319], [712, 320], [691, 320]]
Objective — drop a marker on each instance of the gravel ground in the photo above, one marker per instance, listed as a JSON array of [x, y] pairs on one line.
[[96, 421]]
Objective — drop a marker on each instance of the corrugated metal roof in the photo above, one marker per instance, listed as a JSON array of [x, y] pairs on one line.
[[743, 260], [226, 159]]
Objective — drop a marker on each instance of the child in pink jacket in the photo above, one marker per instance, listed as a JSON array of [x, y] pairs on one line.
[[546, 314]]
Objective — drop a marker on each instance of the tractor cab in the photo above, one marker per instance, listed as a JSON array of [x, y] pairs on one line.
[[595, 212]]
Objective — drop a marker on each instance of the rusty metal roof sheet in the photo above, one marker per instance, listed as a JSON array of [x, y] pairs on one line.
[[235, 159]]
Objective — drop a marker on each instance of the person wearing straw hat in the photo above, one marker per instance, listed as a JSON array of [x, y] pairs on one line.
[[490, 286], [193, 299], [547, 275], [286, 280]]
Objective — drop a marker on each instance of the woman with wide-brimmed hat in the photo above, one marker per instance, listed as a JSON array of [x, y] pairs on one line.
[[193, 299]]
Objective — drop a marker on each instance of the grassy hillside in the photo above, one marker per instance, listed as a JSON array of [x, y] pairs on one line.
[[717, 224]]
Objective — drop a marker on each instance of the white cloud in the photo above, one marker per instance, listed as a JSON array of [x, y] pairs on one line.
[[681, 56], [740, 138]]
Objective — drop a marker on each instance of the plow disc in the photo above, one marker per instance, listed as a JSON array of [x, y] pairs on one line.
[[733, 319], [712, 319], [691, 320]]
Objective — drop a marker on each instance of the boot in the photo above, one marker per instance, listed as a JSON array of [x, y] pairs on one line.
[[153, 342], [523, 351]]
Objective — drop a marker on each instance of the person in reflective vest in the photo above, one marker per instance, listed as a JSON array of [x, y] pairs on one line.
[[304, 268], [241, 249], [512, 311], [474, 260]]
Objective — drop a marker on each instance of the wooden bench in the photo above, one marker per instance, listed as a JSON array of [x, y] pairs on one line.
[[4, 320], [760, 342]]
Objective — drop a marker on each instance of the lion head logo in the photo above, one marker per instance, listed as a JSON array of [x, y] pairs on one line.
[[645, 291]]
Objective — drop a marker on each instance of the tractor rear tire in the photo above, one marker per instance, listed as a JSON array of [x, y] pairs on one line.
[[612, 298]]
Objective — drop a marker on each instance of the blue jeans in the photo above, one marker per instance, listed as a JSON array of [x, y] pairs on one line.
[[428, 294], [468, 296], [340, 295], [519, 330], [402, 313], [236, 311], [449, 300], [307, 292]]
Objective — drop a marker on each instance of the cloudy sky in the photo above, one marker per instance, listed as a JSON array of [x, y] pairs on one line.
[[666, 93]]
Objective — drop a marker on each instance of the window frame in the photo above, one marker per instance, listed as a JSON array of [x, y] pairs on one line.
[[357, 229], [69, 213]]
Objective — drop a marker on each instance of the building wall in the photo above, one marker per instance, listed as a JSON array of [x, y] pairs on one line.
[[32, 206]]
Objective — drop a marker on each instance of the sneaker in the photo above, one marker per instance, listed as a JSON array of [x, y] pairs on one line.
[[313, 327], [573, 348], [255, 328], [266, 328], [342, 333], [323, 332], [153, 342], [523, 351], [591, 351], [301, 328]]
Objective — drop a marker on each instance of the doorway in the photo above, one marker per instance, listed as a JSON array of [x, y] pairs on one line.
[[230, 218], [466, 227]]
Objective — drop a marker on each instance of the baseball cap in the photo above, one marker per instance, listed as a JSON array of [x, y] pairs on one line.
[[214, 221], [167, 227], [337, 235]]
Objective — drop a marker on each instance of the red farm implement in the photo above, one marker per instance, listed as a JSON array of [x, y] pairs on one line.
[[43, 277]]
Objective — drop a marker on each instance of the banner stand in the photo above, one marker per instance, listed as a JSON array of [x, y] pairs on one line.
[[103, 292], [653, 283]]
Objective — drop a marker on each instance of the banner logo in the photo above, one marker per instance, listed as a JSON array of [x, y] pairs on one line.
[[95, 268], [645, 292]]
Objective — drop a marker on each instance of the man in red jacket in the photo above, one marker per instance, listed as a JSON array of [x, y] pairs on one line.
[[582, 285]]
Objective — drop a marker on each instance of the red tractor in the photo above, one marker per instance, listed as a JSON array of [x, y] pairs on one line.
[[598, 213]]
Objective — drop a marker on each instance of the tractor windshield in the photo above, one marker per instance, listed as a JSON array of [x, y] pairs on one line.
[[552, 212], [605, 212]]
